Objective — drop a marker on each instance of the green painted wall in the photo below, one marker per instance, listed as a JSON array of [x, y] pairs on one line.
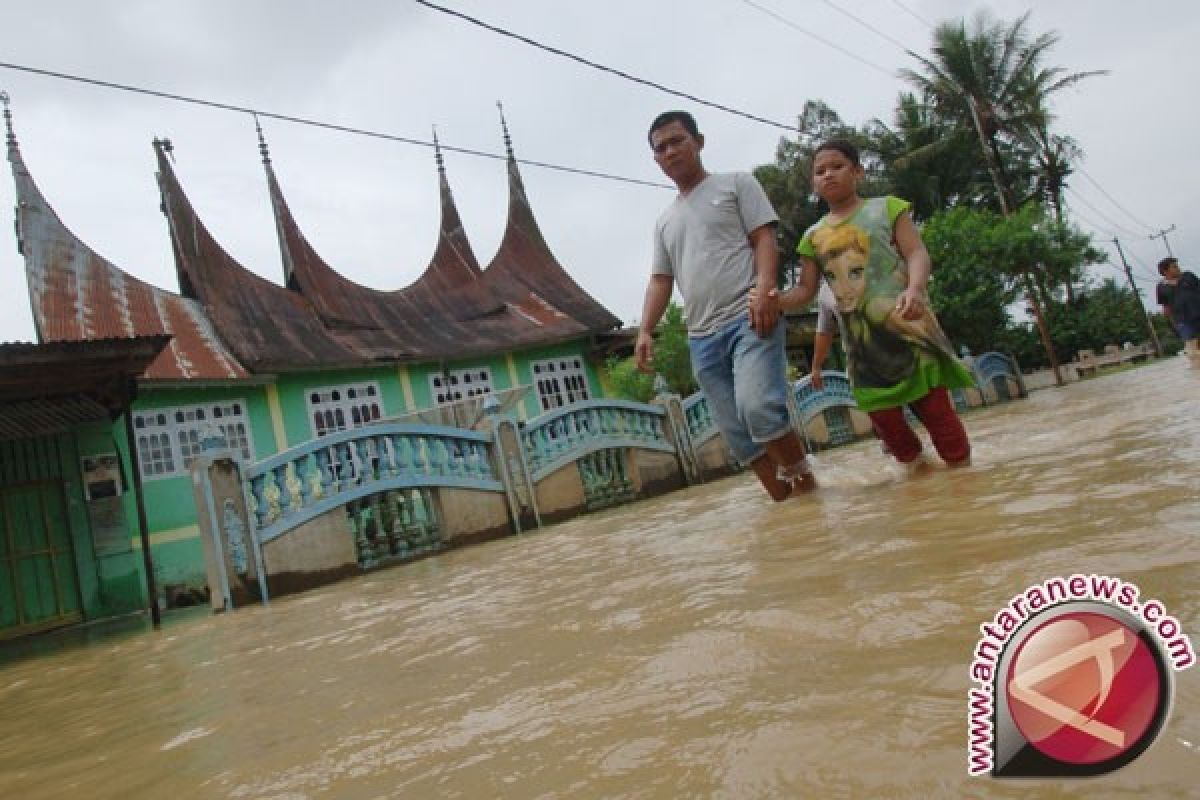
[[524, 361], [294, 389], [177, 550], [115, 583], [420, 374]]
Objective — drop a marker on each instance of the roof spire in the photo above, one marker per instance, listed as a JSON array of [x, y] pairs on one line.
[[262, 142], [507, 139], [437, 153], [10, 137]]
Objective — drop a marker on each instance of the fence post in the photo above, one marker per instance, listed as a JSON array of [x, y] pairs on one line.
[[231, 561], [677, 429], [511, 465]]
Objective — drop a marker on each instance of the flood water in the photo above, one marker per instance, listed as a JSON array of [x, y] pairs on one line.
[[702, 644]]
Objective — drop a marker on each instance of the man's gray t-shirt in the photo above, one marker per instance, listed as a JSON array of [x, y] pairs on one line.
[[702, 241]]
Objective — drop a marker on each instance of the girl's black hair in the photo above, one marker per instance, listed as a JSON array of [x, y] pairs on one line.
[[843, 146]]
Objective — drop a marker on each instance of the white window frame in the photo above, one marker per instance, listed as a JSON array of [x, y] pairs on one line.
[[454, 385], [342, 407], [560, 381], [168, 439]]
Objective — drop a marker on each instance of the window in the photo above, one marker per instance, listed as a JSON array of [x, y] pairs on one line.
[[339, 408], [168, 439], [560, 381], [458, 384]]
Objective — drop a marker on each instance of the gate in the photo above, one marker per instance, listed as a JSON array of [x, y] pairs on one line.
[[39, 586]]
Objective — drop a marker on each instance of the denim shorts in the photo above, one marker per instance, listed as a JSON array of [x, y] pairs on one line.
[[1187, 331], [744, 377]]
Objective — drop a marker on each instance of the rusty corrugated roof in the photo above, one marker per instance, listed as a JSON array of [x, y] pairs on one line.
[[268, 327], [454, 309], [77, 295], [525, 272], [51, 388]]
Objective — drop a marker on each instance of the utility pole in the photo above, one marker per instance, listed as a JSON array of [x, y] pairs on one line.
[[1137, 297], [1162, 234]]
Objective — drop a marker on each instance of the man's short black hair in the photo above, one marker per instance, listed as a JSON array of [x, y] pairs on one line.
[[667, 117], [1166, 264]]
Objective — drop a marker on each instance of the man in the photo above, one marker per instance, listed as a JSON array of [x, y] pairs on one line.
[[1179, 296], [717, 239]]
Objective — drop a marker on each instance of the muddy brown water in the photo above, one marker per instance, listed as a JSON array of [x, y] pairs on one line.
[[702, 644]]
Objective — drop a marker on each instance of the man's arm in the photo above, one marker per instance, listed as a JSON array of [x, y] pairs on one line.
[[658, 295], [764, 304]]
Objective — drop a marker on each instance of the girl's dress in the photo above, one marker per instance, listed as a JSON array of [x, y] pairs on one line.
[[891, 361]]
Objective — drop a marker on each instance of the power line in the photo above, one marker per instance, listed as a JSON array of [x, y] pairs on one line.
[[610, 70], [914, 14], [1112, 199], [870, 27], [1106, 234], [319, 124], [780, 18], [1103, 216]]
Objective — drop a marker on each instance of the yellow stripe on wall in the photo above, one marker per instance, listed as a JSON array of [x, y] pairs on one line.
[[276, 409], [406, 387], [166, 537], [515, 381]]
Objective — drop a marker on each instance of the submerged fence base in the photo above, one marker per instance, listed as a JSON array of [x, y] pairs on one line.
[[381, 494]]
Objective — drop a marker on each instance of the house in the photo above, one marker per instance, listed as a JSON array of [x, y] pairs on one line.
[[275, 365]]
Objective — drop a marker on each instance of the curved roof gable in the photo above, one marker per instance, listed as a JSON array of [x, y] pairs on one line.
[[77, 295]]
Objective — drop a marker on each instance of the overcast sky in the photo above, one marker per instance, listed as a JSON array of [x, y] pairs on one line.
[[370, 206]]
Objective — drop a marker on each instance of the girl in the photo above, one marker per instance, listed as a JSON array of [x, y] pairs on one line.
[[876, 269]]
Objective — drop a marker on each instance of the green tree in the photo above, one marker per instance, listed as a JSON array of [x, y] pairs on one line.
[[971, 295], [929, 159], [672, 361], [993, 79]]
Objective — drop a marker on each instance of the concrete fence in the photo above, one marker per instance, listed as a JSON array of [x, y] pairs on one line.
[[386, 493]]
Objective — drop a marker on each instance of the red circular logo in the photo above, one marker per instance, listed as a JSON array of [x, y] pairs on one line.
[[1084, 688]]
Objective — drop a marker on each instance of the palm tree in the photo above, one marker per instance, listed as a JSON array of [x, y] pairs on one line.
[[992, 78]]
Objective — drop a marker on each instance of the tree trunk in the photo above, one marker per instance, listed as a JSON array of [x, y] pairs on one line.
[[991, 156], [1043, 329]]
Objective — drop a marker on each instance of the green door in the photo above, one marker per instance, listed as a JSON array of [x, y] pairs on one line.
[[39, 586]]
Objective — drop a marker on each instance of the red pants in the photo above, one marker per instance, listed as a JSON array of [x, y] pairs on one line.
[[936, 411]]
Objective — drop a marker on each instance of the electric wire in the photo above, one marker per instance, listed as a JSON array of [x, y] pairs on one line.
[[914, 14], [1112, 223], [796, 26], [124, 87], [1112, 199], [886, 36], [603, 68]]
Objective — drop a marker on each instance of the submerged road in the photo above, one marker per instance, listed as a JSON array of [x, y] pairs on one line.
[[702, 644]]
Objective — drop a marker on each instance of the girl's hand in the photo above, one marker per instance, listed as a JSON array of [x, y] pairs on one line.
[[912, 303]]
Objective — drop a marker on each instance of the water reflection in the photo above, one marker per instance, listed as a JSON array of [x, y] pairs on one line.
[[705, 644]]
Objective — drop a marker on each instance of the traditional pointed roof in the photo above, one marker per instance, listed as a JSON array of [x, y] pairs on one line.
[[77, 295], [269, 327], [453, 310], [524, 266]]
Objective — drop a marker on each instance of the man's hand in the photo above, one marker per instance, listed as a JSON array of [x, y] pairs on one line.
[[643, 351], [912, 303], [764, 310], [816, 380]]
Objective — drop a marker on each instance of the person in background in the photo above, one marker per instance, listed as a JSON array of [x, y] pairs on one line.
[[1179, 295]]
